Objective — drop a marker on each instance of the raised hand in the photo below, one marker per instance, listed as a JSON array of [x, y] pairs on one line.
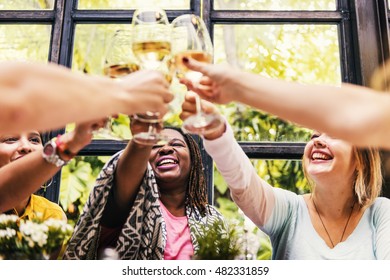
[[81, 135], [149, 90], [189, 109], [217, 84]]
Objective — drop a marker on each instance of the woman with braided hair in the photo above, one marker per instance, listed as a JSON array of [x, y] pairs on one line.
[[149, 202]]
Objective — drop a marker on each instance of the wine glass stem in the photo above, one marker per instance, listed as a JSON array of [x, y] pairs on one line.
[[151, 129], [198, 105]]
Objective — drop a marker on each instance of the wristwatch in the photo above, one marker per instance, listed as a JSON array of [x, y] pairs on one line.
[[50, 154]]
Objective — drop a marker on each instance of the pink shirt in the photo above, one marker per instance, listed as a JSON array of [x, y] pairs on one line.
[[179, 245]]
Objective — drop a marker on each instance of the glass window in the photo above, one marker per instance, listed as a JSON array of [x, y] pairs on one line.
[[25, 42], [133, 4], [26, 5], [90, 45], [275, 5], [305, 53]]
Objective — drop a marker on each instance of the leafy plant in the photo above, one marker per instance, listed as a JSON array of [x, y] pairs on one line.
[[219, 241], [20, 239]]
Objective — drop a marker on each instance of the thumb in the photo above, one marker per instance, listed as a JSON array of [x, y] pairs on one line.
[[196, 65]]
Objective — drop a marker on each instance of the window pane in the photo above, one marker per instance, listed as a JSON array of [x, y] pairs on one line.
[[275, 5], [26, 4], [304, 53], [25, 42], [77, 180], [133, 4], [90, 45]]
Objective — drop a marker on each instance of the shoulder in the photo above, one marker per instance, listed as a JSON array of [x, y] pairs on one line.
[[381, 203], [380, 210], [213, 211]]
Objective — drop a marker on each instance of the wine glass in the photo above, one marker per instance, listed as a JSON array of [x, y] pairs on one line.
[[151, 45], [119, 61], [190, 38]]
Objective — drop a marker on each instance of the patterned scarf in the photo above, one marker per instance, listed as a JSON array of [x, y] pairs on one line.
[[143, 236]]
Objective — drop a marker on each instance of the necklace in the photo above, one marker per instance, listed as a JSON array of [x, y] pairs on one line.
[[322, 222]]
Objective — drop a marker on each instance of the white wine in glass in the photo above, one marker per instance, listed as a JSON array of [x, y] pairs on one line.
[[151, 45], [152, 54], [119, 61], [190, 38]]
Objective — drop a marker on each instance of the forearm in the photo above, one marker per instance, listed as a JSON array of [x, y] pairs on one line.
[[21, 178], [49, 96], [348, 112], [252, 194], [128, 177]]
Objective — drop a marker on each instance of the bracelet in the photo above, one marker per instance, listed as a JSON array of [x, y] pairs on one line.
[[50, 154], [62, 147]]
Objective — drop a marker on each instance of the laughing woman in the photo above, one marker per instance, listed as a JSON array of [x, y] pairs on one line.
[[26, 164], [343, 217], [148, 203]]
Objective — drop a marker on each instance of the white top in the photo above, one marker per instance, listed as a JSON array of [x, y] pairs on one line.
[[284, 215]]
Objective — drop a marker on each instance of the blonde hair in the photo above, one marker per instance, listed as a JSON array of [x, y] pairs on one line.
[[368, 182], [380, 79]]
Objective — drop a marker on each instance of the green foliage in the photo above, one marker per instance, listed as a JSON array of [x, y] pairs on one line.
[[127, 4], [220, 241], [276, 4], [26, 4], [78, 178]]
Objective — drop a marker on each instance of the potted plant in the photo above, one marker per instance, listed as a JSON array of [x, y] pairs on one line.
[[220, 241], [24, 239]]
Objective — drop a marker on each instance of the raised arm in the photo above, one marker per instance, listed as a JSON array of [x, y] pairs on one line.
[[354, 113], [252, 194], [128, 177], [48, 96]]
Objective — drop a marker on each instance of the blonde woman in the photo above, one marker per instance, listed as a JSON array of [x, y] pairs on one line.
[[342, 218]]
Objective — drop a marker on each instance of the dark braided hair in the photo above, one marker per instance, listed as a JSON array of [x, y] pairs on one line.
[[196, 193]]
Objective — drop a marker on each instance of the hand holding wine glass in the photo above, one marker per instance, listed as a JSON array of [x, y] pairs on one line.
[[190, 39]]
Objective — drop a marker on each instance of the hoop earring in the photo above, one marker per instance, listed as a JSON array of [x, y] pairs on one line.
[[46, 185]]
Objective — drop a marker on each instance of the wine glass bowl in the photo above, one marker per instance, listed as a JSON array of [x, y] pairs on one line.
[[151, 37], [151, 46], [119, 61], [190, 38]]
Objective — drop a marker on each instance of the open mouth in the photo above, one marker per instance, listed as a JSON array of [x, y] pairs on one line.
[[19, 157], [167, 162], [320, 156]]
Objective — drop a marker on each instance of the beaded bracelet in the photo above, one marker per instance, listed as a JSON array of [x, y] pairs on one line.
[[62, 147]]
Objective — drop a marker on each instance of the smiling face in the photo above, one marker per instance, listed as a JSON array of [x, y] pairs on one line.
[[171, 162], [13, 147], [327, 156]]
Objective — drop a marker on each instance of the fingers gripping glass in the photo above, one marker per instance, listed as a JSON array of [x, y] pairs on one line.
[[151, 45], [190, 38]]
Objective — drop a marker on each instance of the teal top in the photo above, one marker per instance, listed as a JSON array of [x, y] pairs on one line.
[[293, 236]]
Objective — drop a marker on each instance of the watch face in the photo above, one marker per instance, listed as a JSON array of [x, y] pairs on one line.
[[48, 150]]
